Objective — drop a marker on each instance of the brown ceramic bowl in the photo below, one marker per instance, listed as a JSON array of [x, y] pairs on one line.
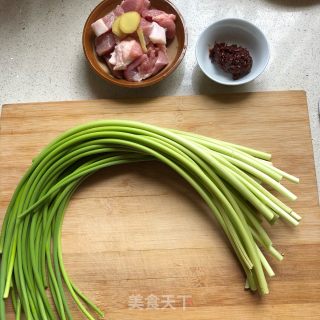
[[176, 49]]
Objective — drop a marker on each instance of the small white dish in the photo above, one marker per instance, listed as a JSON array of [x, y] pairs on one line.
[[233, 31]]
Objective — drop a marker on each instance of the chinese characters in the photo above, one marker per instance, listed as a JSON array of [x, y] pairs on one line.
[[154, 302]]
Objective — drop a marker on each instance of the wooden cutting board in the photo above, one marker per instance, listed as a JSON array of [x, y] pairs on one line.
[[139, 231]]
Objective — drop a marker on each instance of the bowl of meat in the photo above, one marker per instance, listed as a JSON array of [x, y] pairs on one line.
[[134, 43]]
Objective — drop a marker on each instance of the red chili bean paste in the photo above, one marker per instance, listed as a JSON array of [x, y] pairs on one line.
[[232, 59]]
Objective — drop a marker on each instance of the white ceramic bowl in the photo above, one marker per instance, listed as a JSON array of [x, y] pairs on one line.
[[233, 31]]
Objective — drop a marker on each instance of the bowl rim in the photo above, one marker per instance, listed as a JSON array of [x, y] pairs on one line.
[[244, 81], [149, 81]]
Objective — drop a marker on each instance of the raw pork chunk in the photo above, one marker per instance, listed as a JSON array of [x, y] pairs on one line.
[[125, 53], [105, 44]]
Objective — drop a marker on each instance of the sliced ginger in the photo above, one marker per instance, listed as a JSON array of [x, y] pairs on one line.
[[142, 40], [116, 28], [129, 22]]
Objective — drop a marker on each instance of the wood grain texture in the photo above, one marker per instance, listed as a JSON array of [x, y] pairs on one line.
[[140, 229]]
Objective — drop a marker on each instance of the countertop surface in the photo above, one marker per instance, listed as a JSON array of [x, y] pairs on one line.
[[42, 59]]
